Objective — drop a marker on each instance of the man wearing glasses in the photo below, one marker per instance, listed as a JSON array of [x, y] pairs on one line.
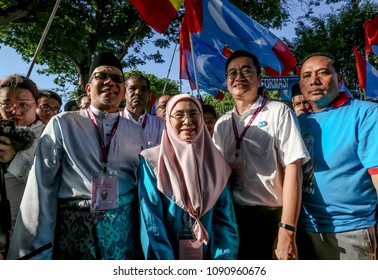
[[49, 104], [261, 141], [81, 195], [18, 99]]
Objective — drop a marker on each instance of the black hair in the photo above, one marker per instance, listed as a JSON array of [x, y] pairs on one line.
[[335, 63], [244, 53], [51, 94], [138, 76]]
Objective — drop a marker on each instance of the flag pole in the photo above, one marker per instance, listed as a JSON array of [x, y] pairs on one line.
[[43, 37], [194, 62], [169, 70]]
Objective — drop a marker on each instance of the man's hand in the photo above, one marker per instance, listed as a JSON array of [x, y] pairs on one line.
[[7, 151]]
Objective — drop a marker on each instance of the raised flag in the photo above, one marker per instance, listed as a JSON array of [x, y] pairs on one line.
[[371, 36], [214, 25], [158, 14], [367, 76]]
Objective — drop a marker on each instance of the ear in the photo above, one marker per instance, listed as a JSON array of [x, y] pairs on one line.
[[88, 89]]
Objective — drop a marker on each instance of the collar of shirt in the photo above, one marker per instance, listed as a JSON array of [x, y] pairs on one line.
[[128, 115], [250, 111], [340, 100], [104, 115]]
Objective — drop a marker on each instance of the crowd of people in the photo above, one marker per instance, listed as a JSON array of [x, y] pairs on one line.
[[262, 182]]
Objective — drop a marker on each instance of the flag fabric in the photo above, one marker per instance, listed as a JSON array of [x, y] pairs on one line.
[[371, 36], [158, 14], [216, 28], [367, 76]]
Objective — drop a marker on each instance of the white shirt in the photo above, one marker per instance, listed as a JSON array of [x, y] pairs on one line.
[[272, 141], [153, 127], [68, 152]]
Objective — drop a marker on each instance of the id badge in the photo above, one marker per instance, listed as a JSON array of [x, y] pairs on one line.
[[104, 190], [237, 175], [190, 249]]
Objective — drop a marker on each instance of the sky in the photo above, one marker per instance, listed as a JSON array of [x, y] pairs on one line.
[[11, 62]]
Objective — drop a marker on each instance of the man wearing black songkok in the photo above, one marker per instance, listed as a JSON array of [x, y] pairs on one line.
[[81, 194]]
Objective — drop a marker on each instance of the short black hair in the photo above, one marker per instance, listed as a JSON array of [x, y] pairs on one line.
[[71, 105], [138, 77], [335, 63], [295, 90], [17, 81], [51, 94], [242, 53], [206, 108]]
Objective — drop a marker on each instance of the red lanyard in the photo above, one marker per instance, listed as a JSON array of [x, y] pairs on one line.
[[236, 134], [104, 149]]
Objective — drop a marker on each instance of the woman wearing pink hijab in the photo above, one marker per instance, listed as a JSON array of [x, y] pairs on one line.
[[185, 201]]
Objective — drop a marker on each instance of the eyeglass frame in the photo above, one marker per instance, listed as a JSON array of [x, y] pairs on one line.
[[241, 72], [26, 105], [55, 110], [107, 76], [196, 116]]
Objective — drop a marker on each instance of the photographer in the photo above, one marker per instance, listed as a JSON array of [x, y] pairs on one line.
[[18, 99]]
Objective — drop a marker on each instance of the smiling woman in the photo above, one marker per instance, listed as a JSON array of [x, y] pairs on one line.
[[197, 211]]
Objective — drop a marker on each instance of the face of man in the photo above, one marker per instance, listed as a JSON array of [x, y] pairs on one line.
[[47, 108], [300, 104], [85, 102], [137, 93], [242, 79], [209, 122], [161, 106], [18, 105], [106, 93], [186, 120], [319, 82]]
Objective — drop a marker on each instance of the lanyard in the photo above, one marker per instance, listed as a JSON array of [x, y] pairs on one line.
[[144, 119], [236, 134], [104, 149]]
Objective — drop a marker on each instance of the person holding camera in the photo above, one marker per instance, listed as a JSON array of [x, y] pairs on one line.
[[19, 133]]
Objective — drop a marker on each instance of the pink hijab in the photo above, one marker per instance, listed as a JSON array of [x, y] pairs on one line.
[[193, 174]]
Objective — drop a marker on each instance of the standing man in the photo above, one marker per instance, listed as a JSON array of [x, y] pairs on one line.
[[260, 139], [81, 194], [49, 104], [300, 104], [18, 102], [137, 97], [341, 179]]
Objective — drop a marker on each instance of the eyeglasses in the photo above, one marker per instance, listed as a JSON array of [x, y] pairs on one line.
[[9, 107], [104, 76], [181, 116], [161, 107], [46, 108], [245, 72]]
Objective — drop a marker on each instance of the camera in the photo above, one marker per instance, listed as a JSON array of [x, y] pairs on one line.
[[7, 128]]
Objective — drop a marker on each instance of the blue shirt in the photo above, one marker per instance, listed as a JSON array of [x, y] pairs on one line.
[[338, 192]]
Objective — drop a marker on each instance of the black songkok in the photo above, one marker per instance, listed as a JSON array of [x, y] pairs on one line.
[[105, 58]]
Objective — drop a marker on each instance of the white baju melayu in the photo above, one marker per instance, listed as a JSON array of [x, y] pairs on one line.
[[68, 151]]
